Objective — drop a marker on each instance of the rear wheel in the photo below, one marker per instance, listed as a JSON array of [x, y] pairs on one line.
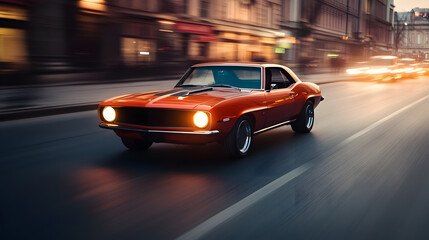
[[304, 122], [136, 144], [237, 143]]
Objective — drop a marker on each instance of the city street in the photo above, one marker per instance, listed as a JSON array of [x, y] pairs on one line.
[[362, 173]]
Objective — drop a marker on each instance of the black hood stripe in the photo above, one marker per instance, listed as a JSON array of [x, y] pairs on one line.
[[172, 91], [180, 92]]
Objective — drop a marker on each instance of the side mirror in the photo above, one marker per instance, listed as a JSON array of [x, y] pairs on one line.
[[272, 86]]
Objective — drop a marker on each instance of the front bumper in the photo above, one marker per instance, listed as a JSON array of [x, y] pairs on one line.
[[135, 129], [163, 135]]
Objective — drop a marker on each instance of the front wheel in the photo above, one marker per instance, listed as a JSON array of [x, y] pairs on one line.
[[136, 144], [237, 143], [304, 122]]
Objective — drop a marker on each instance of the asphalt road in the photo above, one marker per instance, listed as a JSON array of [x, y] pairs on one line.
[[362, 173]]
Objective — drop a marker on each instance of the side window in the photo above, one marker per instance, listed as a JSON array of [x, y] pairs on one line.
[[276, 79], [289, 80]]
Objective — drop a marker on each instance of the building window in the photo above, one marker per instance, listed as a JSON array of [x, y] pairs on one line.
[[368, 4], [185, 6], [137, 51], [243, 11], [12, 47], [204, 8], [270, 13], [230, 9], [286, 10]]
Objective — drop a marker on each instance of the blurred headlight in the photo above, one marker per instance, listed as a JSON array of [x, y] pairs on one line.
[[201, 119], [354, 71], [109, 114], [378, 71]]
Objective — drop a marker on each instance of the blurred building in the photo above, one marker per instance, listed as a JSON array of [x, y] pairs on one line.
[[414, 40], [198, 30], [378, 31], [64, 35], [340, 30], [243, 30]]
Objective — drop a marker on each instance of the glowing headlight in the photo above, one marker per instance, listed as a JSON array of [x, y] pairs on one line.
[[109, 114], [352, 71], [378, 71], [201, 119]]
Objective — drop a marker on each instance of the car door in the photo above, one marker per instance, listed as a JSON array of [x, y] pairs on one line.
[[279, 96]]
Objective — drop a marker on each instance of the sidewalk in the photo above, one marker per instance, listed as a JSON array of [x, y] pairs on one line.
[[50, 99]]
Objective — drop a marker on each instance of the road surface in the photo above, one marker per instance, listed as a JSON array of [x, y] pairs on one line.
[[362, 173]]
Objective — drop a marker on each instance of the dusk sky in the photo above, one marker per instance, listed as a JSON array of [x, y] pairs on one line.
[[407, 5]]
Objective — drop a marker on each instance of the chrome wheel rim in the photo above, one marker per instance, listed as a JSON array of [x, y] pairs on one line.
[[244, 136], [310, 116]]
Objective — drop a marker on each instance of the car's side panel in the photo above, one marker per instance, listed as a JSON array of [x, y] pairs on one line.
[[303, 92], [227, 112], [281, 106], [282, 103]]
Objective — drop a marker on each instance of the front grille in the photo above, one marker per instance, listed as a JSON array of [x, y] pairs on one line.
[[155, 117]]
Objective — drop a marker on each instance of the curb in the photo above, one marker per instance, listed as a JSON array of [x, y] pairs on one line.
[[46, 111]]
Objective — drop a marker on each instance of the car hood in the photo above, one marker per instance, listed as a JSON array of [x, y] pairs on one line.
[[178, 98]]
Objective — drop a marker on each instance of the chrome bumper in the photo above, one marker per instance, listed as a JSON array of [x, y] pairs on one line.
[[135, 129]]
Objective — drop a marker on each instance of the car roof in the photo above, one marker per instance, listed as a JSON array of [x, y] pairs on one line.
[[240, 64]]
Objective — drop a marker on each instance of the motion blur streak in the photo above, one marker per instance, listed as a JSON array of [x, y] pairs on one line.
[[211, 223], [374, 125]]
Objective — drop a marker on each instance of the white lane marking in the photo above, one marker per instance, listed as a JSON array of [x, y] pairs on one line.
[[243, 204], [379, 122], [223, 216]]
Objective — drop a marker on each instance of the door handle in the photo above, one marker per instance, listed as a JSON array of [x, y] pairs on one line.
[[292, 94]]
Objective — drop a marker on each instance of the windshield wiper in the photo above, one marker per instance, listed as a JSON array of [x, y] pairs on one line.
[[223, 85]]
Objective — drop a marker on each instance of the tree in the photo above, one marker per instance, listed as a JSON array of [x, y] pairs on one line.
[[399, 30]]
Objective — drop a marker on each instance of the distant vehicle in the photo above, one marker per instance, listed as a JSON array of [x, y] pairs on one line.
[[378, 68], [423, 68], [214, 102], [358, 68], [406, 68]]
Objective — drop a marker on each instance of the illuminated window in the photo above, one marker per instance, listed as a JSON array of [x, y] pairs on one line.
[[12, 46], [368, 4], [137, 51], [97, 5]]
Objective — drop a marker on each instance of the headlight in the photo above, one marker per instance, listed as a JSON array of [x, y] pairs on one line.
[[109, 114], [201, 119]]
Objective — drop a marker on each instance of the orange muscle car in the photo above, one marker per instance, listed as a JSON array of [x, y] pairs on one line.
[[214, 102]]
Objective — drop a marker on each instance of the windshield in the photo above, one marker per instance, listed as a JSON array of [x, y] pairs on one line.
[[224, 76]]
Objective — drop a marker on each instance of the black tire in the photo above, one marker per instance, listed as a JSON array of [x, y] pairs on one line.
[[238, 142], [305, 121], [136, 144]]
